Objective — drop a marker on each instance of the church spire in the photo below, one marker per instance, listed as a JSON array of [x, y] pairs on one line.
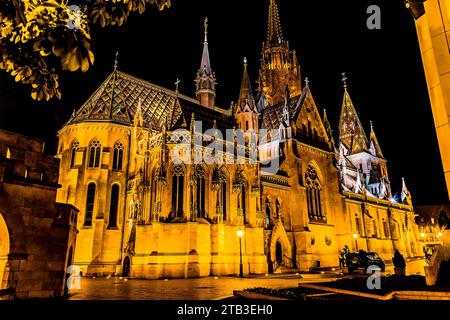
[[374, 148], [405, 194], [246, 98], [206, 79], [351, 131], [206, 63], [274, 32], [138, 120], [246, 111], [279, 66]]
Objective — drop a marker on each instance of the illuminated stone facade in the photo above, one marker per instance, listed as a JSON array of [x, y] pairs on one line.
[[143, 215], [432, 18], [37, 235]]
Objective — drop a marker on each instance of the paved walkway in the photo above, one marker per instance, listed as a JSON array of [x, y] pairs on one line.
[[209, 288]]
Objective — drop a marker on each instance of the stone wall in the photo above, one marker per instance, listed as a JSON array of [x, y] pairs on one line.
[[37, 231]]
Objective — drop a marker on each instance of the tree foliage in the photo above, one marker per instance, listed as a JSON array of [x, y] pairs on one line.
[[41, 38]]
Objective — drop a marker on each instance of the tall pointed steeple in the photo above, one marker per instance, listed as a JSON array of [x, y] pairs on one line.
[[405, 194], [138, 120], [374, 148], [206, 62], [246, 112], [206, 78], [274, 32], [279, 66], [351, 131], [246, 100]]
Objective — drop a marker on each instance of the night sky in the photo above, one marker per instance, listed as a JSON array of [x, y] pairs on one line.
[[386, 78]]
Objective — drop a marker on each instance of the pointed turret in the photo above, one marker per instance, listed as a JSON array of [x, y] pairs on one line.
[[206, 79], [405, 195], [286, 114], [351, 131], [246, 102], [138, 117], [374, 148], [246, 112], [279, 67]]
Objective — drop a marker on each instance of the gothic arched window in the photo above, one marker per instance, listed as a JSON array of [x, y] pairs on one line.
[[375, 228], [313, 195], [90, 202], [358, 225], [118, 156], [95, 149], [201, 192], [114, 206], [223, 190], [268, 214], [386, 228], [239, 188], [243, 202], [73, 152], [177, 191], [395, 230]]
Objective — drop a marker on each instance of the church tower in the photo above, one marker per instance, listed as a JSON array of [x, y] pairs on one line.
[[279, 66], [370, 166], [352, 137], [206, 78], [246, 112]]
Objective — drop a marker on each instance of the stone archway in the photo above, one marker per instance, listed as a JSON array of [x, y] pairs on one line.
[[279, 248], [4, 251]]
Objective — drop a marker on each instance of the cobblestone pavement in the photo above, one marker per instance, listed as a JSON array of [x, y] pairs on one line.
[[413, 267], [186, 289], [209, 288]]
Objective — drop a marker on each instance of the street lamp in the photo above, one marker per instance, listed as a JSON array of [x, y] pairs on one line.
[[416, 7], [355, 235], [240, 234]]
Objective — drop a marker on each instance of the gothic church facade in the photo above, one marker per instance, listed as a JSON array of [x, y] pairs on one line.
[[143, 215]]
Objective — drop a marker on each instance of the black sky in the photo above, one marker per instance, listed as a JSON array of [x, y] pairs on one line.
[[384, 68]]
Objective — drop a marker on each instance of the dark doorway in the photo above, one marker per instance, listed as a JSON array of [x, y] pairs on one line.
[[279, 254], [68, 271], [126, 267]]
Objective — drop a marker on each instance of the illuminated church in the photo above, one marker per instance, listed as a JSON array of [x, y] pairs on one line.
[[143, 215]]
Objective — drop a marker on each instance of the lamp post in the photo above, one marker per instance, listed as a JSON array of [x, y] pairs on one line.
[[422, 235], [355, 235], [240, 234]]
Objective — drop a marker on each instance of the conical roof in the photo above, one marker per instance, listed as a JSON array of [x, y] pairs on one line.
[[351, 131], [246, 102], [374, 145]]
